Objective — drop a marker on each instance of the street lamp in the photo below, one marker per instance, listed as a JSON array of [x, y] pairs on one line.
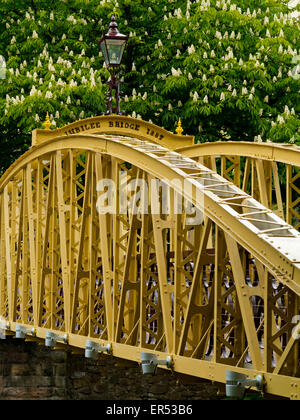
[[112, 45]]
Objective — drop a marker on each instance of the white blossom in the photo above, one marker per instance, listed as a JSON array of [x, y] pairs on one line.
[[195, 96], [280, 119], [191, 49], [48, 94], [33, 91], [93, 83], [176, 72], [218, 35], [258, 139], [73, 83]]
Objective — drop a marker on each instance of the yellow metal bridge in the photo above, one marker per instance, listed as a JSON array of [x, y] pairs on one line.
[[207, 279]]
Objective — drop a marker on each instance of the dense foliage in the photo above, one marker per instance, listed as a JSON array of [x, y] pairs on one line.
[[227, 68]]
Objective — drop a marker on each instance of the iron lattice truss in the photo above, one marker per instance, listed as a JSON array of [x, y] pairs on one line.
[[216, 294]]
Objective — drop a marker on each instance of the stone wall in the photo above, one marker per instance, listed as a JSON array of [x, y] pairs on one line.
[[32, 371]]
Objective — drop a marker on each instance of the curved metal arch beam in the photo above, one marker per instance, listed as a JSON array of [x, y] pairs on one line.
[[284, 153], [116, 124], [277, 252]]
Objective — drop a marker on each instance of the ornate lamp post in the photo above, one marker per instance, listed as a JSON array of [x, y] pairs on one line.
[[112, 45]]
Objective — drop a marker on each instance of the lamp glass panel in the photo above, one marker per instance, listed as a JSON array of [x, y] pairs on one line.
[[104, 52], [115, 49]]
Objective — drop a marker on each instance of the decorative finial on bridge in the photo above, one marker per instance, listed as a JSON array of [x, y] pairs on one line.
[[179, 129], [47, 123]]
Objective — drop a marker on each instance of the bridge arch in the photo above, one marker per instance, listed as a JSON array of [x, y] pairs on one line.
[[144, 281]]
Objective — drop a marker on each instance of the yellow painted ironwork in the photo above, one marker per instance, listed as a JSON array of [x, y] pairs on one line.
[[47, 123], [218, 293], [116, 124], [179, 129], [255, 167]]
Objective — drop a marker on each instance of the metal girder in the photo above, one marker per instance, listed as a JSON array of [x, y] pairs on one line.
[[285, 153], [257, 167], [217, 292]]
